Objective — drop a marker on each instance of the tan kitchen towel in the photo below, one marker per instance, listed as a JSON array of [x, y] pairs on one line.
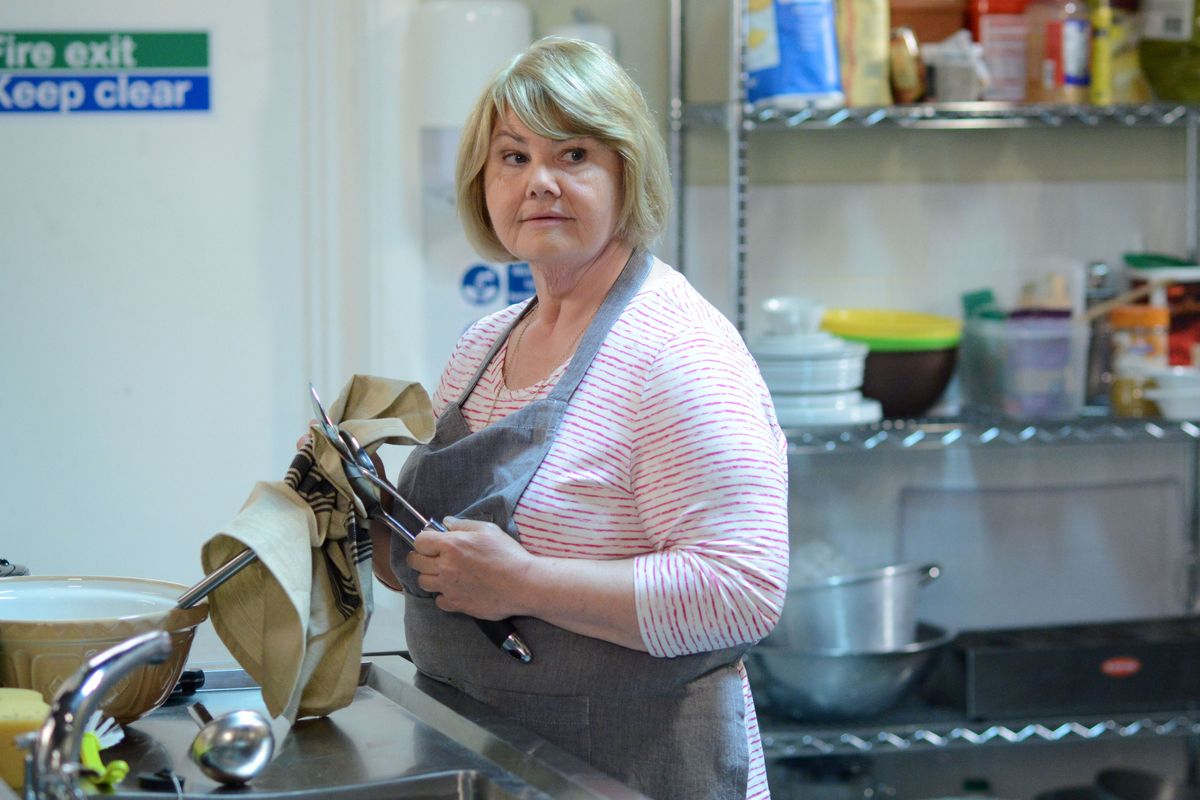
[[294, 619]]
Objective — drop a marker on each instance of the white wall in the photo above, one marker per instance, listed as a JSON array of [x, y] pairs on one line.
[[171, 282]]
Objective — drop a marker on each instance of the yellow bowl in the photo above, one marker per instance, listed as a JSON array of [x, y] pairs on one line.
[[888, 330], [51, 625]]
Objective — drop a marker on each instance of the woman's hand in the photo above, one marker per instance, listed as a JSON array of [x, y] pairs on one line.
[[473, 567], [476, 568]]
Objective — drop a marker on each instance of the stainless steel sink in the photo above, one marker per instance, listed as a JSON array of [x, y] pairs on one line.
[[455, 785], [401, 738]]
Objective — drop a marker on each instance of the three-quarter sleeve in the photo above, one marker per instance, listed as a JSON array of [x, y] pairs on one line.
[[709, 477]]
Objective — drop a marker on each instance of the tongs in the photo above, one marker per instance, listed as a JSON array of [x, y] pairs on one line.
[[365, 482]]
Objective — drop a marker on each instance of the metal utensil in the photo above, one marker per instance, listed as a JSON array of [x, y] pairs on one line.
[[233, 748], [360, 472], [370, 473], [371, 505], [215, 578], [349, 449]]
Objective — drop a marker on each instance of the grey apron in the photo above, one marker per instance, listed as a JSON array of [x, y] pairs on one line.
[[667, 727]]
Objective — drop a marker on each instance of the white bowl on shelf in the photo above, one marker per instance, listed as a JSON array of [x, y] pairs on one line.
[[799, 346], [840, 409], [1176, 404], [1172, 378], [812, 362], [817, 375]]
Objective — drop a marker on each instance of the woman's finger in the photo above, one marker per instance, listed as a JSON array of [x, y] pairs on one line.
[[426, 543], [420, 563]]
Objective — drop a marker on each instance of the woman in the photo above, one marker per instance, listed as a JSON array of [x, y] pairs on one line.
[[606, 455]]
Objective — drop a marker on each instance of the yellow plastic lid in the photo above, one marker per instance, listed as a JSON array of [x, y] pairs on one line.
[[891, 330]]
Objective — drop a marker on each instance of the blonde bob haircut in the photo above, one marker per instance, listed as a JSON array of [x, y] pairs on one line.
[[565, 89]]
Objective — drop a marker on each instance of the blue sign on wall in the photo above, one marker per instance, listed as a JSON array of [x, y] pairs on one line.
[[66, 72], [121, 92], [480, 284], [520, 282]]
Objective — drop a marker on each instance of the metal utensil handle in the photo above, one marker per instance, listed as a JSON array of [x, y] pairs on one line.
[[322, 417], [394, 525], [504, 635], [395, 495], [214, 579]]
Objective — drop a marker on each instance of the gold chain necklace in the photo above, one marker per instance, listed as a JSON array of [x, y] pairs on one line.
[[511, 353]]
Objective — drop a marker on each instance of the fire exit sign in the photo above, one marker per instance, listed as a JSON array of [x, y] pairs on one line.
[[97, 71]]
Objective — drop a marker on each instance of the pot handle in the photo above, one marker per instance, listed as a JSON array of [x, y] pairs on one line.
[[930, 572]]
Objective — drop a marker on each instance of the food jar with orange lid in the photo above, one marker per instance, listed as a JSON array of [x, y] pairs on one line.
[[1139, 346]]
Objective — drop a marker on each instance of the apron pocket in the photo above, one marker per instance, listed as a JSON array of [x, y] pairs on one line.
[[688, 744], [562, 720]]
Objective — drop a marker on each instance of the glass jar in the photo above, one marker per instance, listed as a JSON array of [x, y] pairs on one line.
[[1139, 346], [1058, 51]]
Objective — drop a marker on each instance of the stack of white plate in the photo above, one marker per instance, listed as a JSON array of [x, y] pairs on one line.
[[815, 379]]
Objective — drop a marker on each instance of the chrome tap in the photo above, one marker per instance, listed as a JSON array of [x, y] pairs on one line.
[[52, 767]]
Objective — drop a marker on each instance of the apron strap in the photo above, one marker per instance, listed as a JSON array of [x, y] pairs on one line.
[[632, 276], [622, 291], [496, 345]]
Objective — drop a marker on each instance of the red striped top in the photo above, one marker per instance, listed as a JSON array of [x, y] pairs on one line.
[[669, 453]]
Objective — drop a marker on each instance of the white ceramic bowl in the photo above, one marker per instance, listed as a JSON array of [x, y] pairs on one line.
[[836, 370], [800, 345], [798, 411], [1176, 404], [50, 625], [1175, 377]]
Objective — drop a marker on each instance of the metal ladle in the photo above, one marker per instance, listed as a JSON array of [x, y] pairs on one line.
[[233, 748]]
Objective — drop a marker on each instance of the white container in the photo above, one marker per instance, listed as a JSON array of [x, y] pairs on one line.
[[1175, 377], [817, 411], [1176, 404]]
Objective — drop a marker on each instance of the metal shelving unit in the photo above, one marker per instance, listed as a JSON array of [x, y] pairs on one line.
[[739, 119], [947, 116], [899, 434], [784, 739], [930, 729]]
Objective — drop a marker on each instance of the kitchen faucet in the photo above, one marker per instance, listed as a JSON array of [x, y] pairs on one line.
[[52, 767]]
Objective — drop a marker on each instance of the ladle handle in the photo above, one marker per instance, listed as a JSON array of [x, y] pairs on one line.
[[199, 714], [214, 579]]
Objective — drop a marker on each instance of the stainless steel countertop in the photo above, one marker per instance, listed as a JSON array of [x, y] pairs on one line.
[[394, 740]]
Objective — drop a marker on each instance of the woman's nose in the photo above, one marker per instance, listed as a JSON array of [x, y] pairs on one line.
[[542, 180]]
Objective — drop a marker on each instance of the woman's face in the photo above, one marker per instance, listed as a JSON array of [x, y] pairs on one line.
[[552, 203]]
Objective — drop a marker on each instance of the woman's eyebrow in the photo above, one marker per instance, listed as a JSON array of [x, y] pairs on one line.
[[508, 134]]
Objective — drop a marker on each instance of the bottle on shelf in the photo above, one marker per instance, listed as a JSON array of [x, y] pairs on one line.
[[1100, 287], [1101, 85], [1000, 28], [1170, 48], [1058, 51], [1139, 346]]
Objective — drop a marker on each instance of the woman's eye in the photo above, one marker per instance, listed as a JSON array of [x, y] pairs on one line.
[[513, 158], [576, 154]]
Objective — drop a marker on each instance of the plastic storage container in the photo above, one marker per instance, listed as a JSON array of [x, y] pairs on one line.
[[1024, 368]]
